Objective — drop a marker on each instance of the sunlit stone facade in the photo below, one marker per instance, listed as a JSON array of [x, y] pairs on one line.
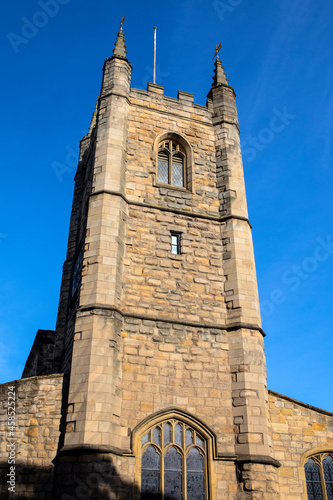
[[156, 372]]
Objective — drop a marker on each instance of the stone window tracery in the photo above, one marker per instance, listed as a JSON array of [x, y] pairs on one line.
[[174, 458], [171, 163], [319, 476], [173, 462]]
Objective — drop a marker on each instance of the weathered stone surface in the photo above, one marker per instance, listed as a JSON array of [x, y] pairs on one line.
[[296, 429], [38, 403]]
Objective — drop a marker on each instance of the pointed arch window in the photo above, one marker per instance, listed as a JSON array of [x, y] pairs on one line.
[[319, 476], [171, 163], [174, 462]]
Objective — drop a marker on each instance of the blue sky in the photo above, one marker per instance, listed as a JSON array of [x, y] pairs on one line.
[[278, 57]]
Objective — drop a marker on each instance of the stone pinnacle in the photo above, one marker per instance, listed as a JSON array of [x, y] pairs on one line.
[[120, 47], [219, 77]]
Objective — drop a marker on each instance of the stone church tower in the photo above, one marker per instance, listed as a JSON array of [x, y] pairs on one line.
[[159, 322], [158, 334]]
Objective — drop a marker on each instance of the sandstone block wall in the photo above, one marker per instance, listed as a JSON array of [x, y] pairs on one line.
[[168, 365], [297, 428], [187, 286], [38, 413], [152, 114]]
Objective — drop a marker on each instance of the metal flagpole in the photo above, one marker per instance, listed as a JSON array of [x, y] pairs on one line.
[[154, 71]]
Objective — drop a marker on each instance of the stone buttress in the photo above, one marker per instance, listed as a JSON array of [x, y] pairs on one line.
[[246, 347]]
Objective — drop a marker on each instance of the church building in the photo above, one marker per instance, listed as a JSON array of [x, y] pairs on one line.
[[153, 385]]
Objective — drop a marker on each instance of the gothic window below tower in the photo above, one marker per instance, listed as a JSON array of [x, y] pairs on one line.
[[175, 457], [173, 463]]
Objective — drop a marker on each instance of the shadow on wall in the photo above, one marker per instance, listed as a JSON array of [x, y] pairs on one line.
[[84, 477], [30, 482]]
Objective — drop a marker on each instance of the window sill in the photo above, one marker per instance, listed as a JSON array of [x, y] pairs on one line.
[[176, 256], [171, 186]]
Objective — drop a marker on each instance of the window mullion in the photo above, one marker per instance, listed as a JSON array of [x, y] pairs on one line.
[[162, 462], [322, 478], [184, 478]]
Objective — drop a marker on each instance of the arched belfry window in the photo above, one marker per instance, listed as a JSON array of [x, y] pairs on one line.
[[174, 459], [171, 163], [319, 476]]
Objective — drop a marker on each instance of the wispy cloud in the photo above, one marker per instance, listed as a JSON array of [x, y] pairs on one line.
[[295, 19]]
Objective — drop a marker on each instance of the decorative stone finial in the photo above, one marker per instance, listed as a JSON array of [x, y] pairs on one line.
[[219, 73], [219, 77], [120, 47]]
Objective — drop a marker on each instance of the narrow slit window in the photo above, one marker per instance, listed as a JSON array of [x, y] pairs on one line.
[[175, 243]]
